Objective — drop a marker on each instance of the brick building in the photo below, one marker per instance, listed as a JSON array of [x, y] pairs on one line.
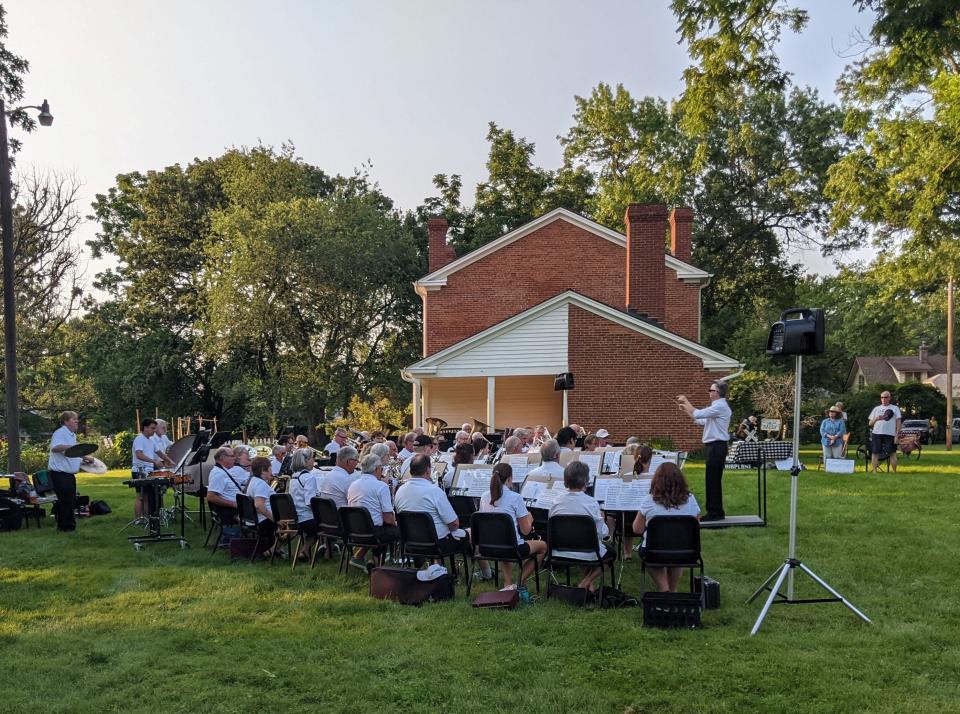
[[565, 294]]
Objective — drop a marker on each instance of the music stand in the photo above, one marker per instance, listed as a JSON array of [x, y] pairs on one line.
[[203, 443], [785, 571]]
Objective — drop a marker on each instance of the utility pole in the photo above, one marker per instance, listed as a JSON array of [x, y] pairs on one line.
[[949, 424]]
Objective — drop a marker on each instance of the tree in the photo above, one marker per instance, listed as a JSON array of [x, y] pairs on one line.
[[12, 70]]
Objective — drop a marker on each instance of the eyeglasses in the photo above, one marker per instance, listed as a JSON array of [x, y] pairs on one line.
[[884, 396], [714, 390]]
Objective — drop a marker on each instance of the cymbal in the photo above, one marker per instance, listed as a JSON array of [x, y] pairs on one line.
[[96, 466], [80, 450]]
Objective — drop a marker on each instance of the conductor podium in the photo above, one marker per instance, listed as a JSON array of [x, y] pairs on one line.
[[753, 455]]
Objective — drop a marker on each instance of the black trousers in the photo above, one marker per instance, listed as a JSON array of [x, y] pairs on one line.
[[65, 486], [716, 454]]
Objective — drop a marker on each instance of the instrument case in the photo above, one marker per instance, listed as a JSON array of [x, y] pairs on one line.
[[402, 585], [503, 599], [711, 591]]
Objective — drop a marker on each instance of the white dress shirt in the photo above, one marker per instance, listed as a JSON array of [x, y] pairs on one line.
[[715, 420], [57, 461]]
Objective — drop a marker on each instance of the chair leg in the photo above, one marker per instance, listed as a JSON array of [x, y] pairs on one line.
[[296, 552], [536, 572], [344, 549], [256, 548], [469, 568], [316, 551]]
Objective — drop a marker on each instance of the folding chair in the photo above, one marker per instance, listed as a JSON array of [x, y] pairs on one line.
[[464, 507], [359, 532], [329, 527], [418, 538], [285, 516], [577, 534], [494, 537], [672, 542], [247, 517], [217, 522]]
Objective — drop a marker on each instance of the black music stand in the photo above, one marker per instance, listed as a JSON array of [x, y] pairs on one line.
[[152, 520], [202, 445]]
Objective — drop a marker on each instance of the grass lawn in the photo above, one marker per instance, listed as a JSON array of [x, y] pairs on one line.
[[88, 624]]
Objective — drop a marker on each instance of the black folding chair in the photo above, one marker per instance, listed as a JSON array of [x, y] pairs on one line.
[[418, 539], [577, 534], [672, 542], [329, 527], [540, 518], [285, 516], [359, 531], [494, 537], [464, 507], [218, 523], [247, 517]]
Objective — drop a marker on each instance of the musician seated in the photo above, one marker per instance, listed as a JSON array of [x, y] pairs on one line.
[[633, 440], [424, 445], [241, 467], [339, 479], [501, 498], [567, 438], [338, 442], [276, 458], [669, 496], [222, 490], [392, 452], [540, 435], [576, 502], [512, 445], [370, 491], [301, 442], [406, 444], [462, 437], [602, 436], [590, 442], [549, 466], [258, 488], [526, 439], [419, 494], [467, 427], [462, 454], [378, 437], [303, 487], [481, 448]]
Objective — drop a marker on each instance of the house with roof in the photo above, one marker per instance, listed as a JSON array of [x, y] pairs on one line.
[[564, 294], [866, 372]]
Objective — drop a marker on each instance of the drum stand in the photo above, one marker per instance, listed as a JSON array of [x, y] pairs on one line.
[[785, 571]]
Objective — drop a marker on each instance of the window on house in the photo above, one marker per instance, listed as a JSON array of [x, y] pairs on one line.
[[861, 382]]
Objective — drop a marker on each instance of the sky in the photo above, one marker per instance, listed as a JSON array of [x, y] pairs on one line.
[[407, 86]]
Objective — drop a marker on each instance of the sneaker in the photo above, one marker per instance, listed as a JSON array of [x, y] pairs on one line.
[[508, 588], [477, 575], [359, 564]]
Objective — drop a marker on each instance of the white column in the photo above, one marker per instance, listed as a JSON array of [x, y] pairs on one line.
[[491, 401], [417, 406], [566, 410]]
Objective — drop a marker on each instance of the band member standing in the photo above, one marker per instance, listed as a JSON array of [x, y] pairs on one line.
[[63, 471], [715, 420], [145, 459], [160, 439]]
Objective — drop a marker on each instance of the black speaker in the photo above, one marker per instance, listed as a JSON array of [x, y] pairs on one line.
[[799, 331], [563, 382]]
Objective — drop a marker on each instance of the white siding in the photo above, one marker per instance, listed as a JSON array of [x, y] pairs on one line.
[[536, 347]]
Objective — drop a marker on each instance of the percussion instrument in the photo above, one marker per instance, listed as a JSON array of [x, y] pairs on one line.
[[162, 474], [80, 450], [93, 466]]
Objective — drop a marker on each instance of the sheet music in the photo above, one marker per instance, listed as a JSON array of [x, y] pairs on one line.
[[521, 467], [626, 495], [655, 462], [532, 489], [474, 481], [446, 457], [550, 495], [611, 462], [600, 488], [594, 460]]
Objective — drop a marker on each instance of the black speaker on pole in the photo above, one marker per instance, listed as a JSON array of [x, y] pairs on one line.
[[799, 331], [563, 382]]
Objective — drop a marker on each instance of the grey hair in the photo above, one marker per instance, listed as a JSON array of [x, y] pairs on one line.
[[512, 445], [370, 463], [550, 451], [222, 451], [521, 433], [299, 460], [461, 433], [161, 422], [633, 440], [381, 450], [345, 454], [279, 450], [409, 436]]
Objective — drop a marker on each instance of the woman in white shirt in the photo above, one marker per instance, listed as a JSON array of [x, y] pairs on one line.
[[258, 488], [669, 496], [303, 487], [501, 498], [641, 469]]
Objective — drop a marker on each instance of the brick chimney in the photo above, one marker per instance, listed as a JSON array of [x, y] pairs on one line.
[[439, 253], [646, 231], [681, 231], [923, 351]]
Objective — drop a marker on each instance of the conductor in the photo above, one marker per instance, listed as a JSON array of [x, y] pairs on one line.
[[715, 420]]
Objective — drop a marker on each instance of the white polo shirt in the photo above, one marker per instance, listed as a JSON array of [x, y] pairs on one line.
[[303, 487], [419, 494], [888, 427], [224, 484], [146, 446], [510, 503], [651, 509], [258, 488], [578, 503], [547, 469], [161, 443], [275, 465], [336, 484], [332, 448], [240, 474], [372, 494], [57, 461]]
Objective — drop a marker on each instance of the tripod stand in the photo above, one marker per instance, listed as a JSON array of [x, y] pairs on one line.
[[785, 571]]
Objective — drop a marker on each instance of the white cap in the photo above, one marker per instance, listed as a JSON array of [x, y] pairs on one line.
[[602, 433]]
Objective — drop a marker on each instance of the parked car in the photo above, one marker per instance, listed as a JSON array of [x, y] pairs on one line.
[[920, 427]]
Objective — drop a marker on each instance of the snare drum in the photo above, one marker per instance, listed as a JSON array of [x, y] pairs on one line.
[[162, 474]]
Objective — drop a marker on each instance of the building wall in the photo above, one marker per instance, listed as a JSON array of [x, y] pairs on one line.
[[455, 399], [683, 307], [528, 401], [557, 257], [627, 383]]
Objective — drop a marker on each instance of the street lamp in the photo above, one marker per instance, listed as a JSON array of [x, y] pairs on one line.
[[9, 298]]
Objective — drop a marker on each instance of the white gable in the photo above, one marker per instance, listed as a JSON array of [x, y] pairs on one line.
[[538, 346]]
